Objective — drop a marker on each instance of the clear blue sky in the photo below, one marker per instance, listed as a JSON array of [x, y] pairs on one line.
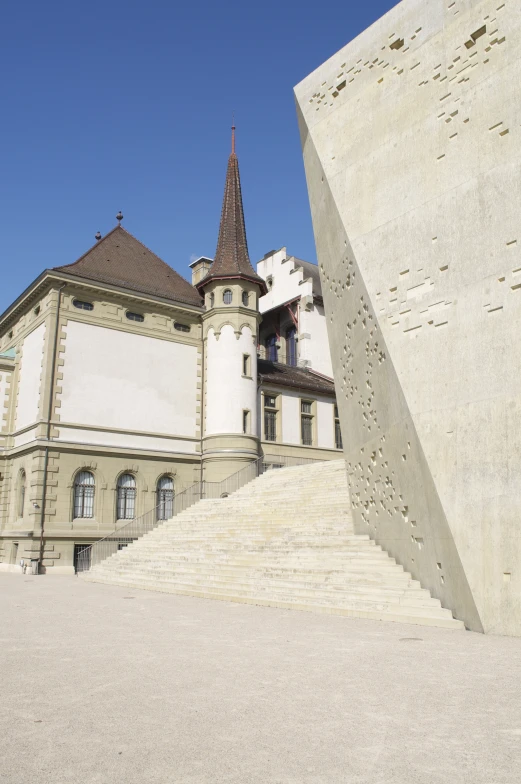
[[109, 106]]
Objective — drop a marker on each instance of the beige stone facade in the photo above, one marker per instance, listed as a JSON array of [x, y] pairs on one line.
[[85, 388]]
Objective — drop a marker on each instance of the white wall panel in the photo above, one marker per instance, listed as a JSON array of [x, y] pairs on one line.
[[126, 381], [28, 401]]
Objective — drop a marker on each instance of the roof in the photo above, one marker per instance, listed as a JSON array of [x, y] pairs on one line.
[[231, 257], [310, 271], [121, 260], [296, 377]]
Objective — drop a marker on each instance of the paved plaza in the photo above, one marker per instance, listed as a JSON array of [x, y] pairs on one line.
[[106, 684]]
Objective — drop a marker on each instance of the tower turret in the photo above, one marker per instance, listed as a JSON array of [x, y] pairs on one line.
[[231, 292]]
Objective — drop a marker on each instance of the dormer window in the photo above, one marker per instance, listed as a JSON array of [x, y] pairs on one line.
[[82, 305], [134, 316], [227, 296]]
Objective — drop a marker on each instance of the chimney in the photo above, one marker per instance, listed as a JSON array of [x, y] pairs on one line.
[[200, 268]]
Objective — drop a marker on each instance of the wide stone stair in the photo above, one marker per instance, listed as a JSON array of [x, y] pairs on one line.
[[285, 540]]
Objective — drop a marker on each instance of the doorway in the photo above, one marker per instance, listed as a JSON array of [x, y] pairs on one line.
[[82, 557]]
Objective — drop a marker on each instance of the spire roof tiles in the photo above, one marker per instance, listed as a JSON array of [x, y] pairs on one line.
[[231, 257]]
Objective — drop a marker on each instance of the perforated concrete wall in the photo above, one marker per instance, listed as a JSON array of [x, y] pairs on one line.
[[412, 146]]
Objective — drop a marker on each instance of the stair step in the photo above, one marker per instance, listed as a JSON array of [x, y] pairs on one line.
[[261, 545]]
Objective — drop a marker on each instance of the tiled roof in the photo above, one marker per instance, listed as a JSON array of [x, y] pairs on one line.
[[231, 257], [121, 260], [296, 377]]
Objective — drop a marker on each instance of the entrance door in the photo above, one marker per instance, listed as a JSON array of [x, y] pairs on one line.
[[81, 557]]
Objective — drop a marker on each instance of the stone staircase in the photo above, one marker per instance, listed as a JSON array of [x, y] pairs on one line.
[[284, 540]]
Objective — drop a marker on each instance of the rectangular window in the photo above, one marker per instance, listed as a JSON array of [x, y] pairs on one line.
[[306, 422], [338, 432], [246, 365], [245, 421], [270, 417]]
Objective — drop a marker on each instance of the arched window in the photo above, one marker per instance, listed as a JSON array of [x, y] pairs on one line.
[[291, 346], [227, 296], [84, 486], [271, 348], [126, 497], [165, 498], [21, 494], [245, 298]]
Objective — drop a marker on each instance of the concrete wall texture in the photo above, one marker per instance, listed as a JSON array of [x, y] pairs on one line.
[[412, 145]]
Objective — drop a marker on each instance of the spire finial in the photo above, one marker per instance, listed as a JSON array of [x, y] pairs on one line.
[[119, 217], [233, 133]]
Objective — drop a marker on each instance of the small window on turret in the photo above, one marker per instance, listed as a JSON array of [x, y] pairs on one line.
[[211, 300], [269, 282], [227, 296], [245, 298]]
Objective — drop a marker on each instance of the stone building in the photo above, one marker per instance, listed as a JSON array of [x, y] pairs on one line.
[[412, 146], [122, 384]]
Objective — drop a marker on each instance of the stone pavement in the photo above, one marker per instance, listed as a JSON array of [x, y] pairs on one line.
[[105, 684]]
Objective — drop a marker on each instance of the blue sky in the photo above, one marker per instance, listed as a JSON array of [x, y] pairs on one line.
[[128, 106]]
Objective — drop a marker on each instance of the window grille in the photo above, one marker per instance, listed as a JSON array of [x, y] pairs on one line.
[[181, 327], [165, 498], [245, 298], [271, 348], [306, 422], [82, 305], [84, 486], [270, 418], [338, 432], [291, 346], [126, 497], [134, 316], [227, 296]]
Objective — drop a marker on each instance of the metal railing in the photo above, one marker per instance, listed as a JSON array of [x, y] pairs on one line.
[[139, 526]]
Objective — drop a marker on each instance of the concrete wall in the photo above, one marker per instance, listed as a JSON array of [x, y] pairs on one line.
[[416, 217]]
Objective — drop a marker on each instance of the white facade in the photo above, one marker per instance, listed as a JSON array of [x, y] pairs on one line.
[[120, 381], [288, 280], [28, 402], [229, 391], [323, 418], [294, 285]]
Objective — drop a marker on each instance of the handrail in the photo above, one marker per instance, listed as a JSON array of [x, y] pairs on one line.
[[120, 537]]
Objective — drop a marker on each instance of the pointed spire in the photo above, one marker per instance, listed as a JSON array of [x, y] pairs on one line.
[[231, 257]]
